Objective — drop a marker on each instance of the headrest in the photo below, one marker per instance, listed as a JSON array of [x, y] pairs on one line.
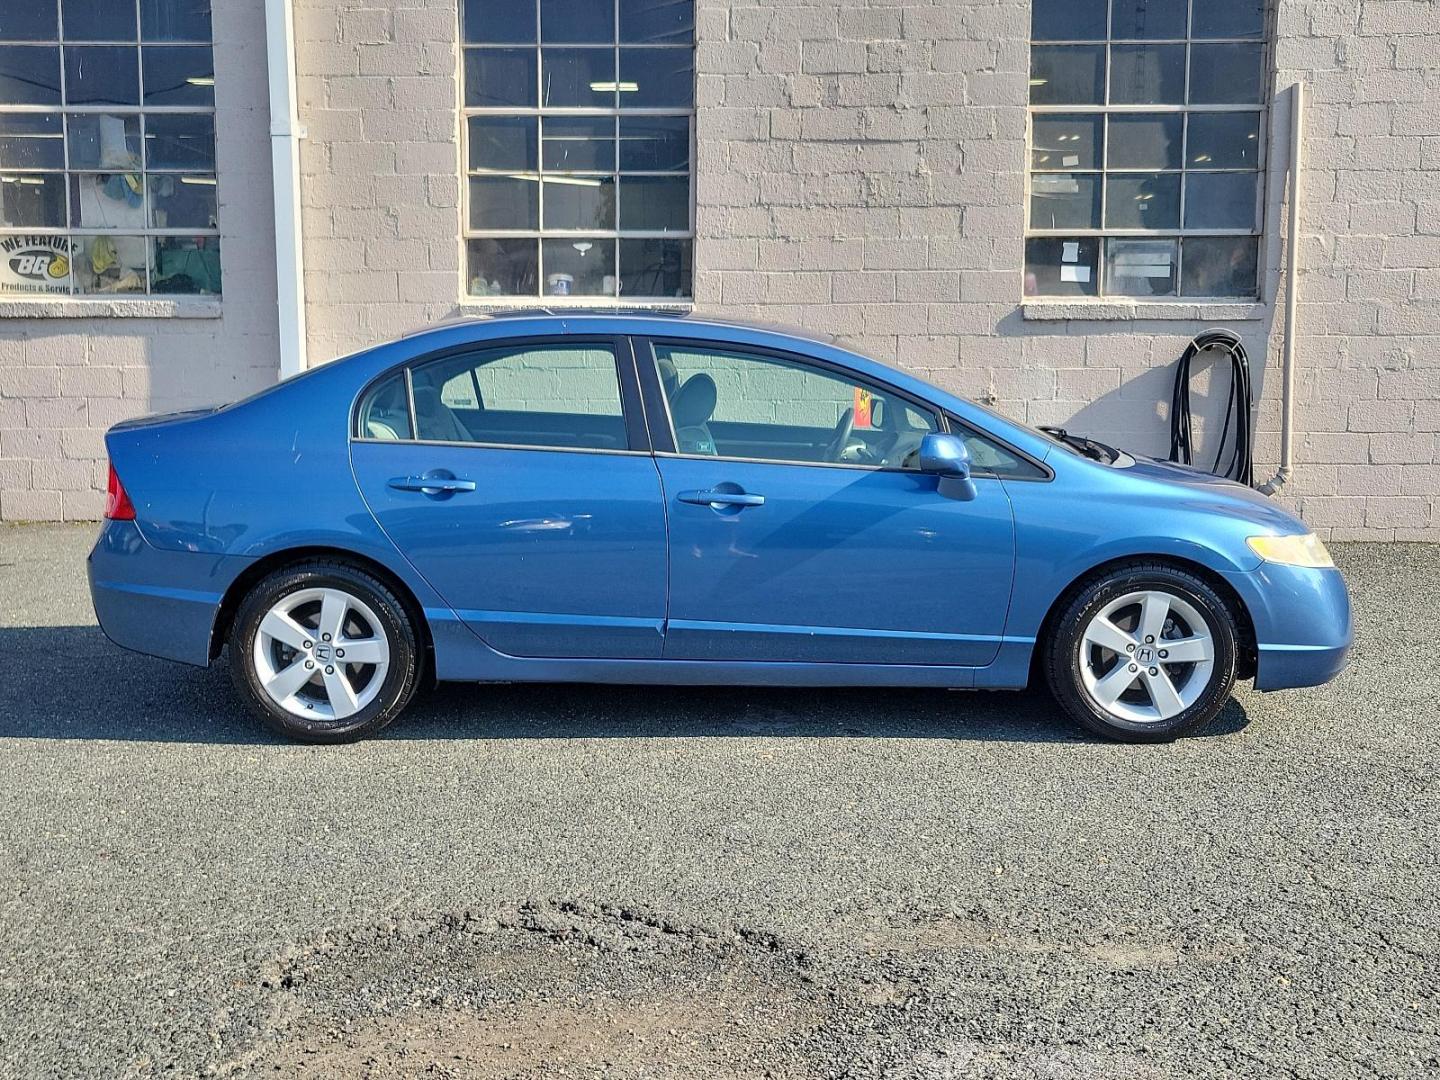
[[694, 403]]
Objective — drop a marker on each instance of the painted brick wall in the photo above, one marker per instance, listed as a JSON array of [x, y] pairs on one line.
[[64, 380]]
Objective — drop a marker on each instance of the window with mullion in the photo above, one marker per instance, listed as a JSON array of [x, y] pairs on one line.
[[107, 148], [578, 135], [1146, 148]]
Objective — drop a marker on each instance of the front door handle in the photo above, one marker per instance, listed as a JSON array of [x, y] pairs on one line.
[[438, 482], [717, 498]]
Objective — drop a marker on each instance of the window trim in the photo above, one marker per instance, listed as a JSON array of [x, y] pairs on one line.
[[1105, 109], [630, 408], [540, 113]]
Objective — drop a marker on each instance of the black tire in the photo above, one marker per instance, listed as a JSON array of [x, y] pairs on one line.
[[1064, 650], [400, 679]]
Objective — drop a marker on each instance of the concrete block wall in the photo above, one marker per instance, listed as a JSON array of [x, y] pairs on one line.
[[64, 380]]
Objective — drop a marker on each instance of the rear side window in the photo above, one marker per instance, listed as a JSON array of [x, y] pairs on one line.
[[564, 397], [385, 412]]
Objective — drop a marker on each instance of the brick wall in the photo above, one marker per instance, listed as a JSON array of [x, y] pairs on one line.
[[64, 380]]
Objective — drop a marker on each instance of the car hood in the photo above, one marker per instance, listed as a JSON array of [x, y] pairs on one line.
[[1216, 493]]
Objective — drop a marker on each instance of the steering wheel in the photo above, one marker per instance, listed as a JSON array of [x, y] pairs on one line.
[[843, 431]]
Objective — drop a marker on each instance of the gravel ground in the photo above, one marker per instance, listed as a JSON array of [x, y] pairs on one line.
[[538, 881]]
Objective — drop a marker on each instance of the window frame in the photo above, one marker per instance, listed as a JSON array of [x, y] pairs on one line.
[[631, 410], [1102, 171], [71, 233]]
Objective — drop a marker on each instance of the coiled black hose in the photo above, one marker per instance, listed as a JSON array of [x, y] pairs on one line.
[[1238, 409]]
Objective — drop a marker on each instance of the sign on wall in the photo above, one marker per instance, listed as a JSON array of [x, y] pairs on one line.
[[35, 264]]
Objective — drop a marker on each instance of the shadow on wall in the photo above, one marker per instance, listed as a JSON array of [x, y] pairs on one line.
[[133, 698]]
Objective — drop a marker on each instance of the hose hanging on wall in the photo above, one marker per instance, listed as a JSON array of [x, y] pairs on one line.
[[1238, 408]]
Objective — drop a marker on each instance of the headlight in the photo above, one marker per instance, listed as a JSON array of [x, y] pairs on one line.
[[1304, 550]]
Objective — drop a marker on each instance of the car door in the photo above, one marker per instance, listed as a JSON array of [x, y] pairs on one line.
[[793, 539], [516, 477]]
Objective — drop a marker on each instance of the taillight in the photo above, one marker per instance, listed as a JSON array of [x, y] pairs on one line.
[[118, 506]]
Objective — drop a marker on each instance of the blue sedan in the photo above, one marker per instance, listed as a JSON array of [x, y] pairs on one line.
[[641, 498]]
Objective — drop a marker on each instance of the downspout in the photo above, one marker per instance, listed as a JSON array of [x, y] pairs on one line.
[[285, 136], [1292, 294]]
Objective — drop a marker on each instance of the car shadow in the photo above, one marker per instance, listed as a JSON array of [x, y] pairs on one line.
[[69, 682]]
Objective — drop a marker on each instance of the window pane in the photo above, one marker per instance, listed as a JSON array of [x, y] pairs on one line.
[[102, 141], [187, 265], [565, 396], [579, 202], [1145, 140], [34, 200], [504, 267], [385, 412], [107, 201], [1140, 267], [35, 264], [1147, 74], [31, 141], [655, 203], [579, 143], [655, 143], [578, 77], [1062, 267], [1224, 140], [1149, 20], [1064, 201], [499, 77], [1229, 19], [29, 20], [102, 75], [582, 266], [1143, 201], [657, 78], [179, 75], [502, 202], [503, 142], [575, 21], [1220, 200], [655, 268], [655, 22], [182, 202], [1221, 266], [1067, 75], [499, 22], [1225, 74], [180, 141], [29, 75], [1067, 20], [175, 20], [110, 264], [99, 20], [1065, 142]]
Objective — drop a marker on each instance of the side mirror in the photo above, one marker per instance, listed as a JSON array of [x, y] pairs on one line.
[[947, 457]]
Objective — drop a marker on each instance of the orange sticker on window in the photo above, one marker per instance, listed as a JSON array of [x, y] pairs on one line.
[[862, 407]]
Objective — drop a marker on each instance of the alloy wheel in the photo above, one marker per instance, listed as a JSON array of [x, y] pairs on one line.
[[1146, 657], [321, 654]]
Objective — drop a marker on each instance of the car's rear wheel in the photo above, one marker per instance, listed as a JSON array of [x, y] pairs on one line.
[[1144, 653], [324, 652]]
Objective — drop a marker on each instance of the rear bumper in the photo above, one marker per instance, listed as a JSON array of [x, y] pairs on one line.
[[1302, 620], [162, 603]]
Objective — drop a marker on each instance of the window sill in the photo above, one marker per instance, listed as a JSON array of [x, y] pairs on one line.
[[140, 307], [1122, 310], [485, 305]]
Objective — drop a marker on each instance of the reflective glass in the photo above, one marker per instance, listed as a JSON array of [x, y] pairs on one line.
[[1147, 74], [29, 20], [1220, 266], [579, 266], [498, 22], [1220, 200], [579, 202], [180, 141], [178, 75], [573, 78], [1057, 266], [1064, 201], [176, 20], [657, 22], [99, 20], [1067, 20], [32, 200], [29, 75], [1226, 74], [104, 141], [1064, 141], [31, 141], [503, 142], [1140, 267], [1145, 140], [1142, 201], [579, 143], [573, 22], [657, 78], [499, 77], [503, 267], [504, 202], [655, 268], [1228, 19], [182, 201], [115, 265], [186, 264], [102, 75], [655, 203], [1224, 140], [655, 143], [1067, 75], [1149, 20]]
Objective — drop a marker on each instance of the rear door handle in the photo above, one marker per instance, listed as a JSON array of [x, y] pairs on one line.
[[433, 484], [721, 498]]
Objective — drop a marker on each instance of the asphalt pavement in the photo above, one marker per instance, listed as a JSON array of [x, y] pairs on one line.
[[627, 882]]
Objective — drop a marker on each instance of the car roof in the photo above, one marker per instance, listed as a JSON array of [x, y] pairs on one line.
[[658, 320]]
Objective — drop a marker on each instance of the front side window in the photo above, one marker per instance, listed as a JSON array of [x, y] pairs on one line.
[[578, 147], [1147, 146], [738, 405], [107, 148], [559, 396]]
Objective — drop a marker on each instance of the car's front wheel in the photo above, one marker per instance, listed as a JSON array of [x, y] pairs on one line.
[[1144, 653], [324, 652]]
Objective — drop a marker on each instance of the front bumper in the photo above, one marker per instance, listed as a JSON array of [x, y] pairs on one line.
[[1302, 618], [162, 603]]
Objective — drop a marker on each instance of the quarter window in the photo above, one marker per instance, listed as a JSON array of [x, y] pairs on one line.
[[107, 148], [578, 147], [1147, 146]]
